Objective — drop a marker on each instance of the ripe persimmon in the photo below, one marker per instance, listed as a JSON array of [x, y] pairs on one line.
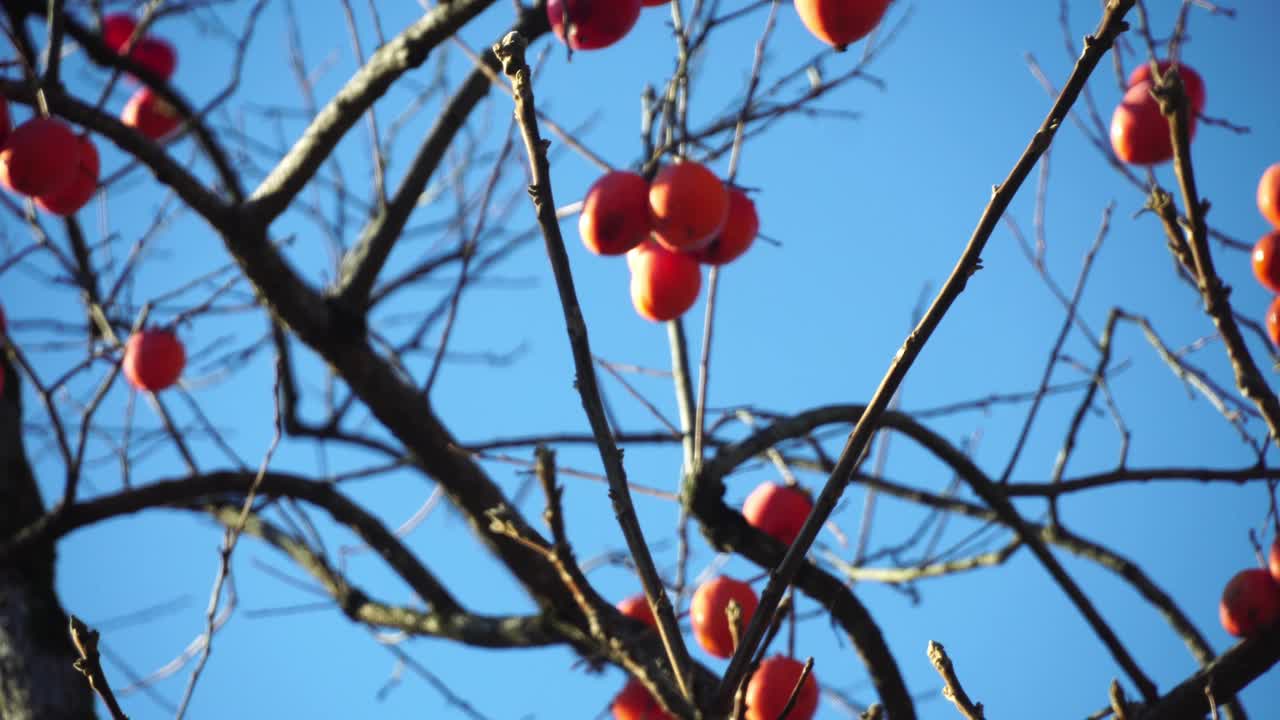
[[150, 115], [777, 510], [635, 702], [688, 205], [155, 55], [615, 213], [152, 53], [770, 688], [593, 24], [117, 28], [83, 185], [664, 284], [40, 157], [840, 23], [1266, 261], [153, 359], [1250, 603], [736, 236], [1269, 195], [710, 621], [637, 607], [1139, 132], [1191, 81]]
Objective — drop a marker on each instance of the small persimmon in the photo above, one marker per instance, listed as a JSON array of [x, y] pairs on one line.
[[770, 688], [840, 23], [688, 205], [777, 510], [1250, 603], [1269, 195], [1192, 83], [40, 157], [1266, 261], [615, 213], [637, 608], [1273, 327], [737, 235], [707, 613], [84, 184], [635, 702], [155, 55], [150, 115], [664, 284], [117, 28], [1139, 132], [153, 359], [593, 24]]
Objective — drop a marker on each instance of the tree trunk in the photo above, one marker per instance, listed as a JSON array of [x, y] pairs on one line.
[[37, 680]]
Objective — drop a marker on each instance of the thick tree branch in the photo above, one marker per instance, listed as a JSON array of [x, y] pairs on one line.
[[447, 618], [443, 620], [1224, 677], [37, 679], [195, 490]]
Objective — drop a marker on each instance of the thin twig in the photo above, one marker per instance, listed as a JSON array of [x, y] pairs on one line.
[[1170, 93], [952, 690], [85, 640], [1096, 45], [511, 52]]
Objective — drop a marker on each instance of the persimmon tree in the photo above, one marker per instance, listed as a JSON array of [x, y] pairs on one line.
[[324, 312]]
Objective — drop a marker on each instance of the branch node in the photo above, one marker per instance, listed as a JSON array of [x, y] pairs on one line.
[[952, 689]]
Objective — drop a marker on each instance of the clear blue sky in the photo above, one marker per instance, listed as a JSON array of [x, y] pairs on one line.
[[868, 212]]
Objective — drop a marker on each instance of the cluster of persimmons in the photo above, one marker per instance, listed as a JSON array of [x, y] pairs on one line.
[[1140, 136], [685, 216], [1266, 253], [720, 610], [45, 160], [666, 228]]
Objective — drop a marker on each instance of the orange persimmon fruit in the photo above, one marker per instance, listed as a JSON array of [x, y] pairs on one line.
[[688, 205], [840, 23], [615, 213]]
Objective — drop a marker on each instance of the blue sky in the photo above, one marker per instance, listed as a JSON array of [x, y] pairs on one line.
[[867, 213]]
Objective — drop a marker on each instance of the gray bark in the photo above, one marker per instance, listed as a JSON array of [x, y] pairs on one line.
[[37, 680]]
